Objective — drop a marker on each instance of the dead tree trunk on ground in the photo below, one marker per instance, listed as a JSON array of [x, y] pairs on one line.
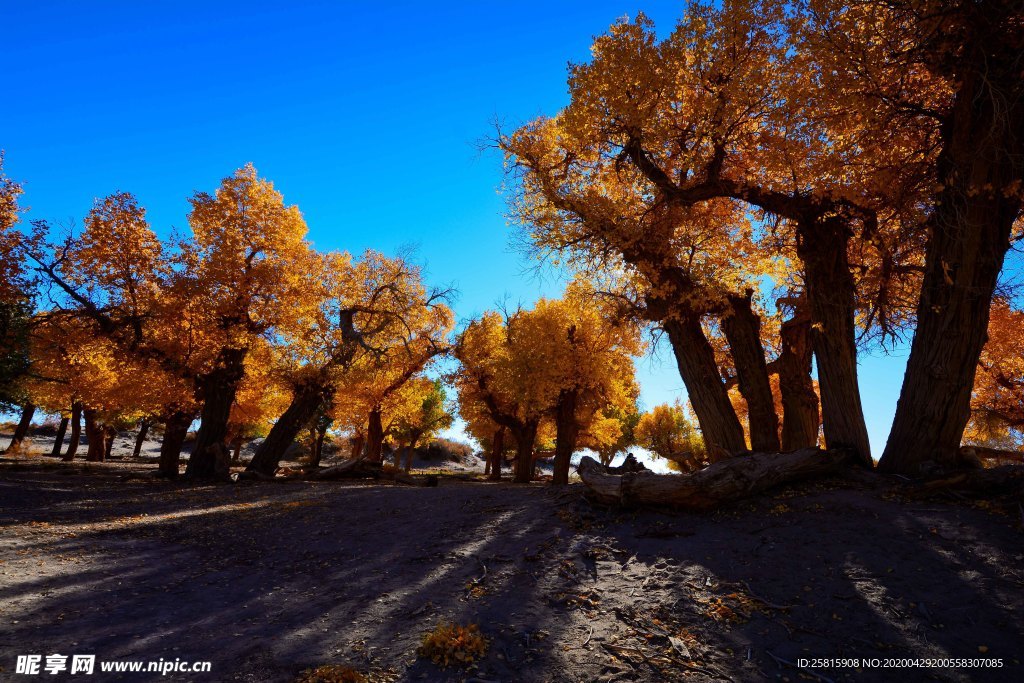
[[722, 482]]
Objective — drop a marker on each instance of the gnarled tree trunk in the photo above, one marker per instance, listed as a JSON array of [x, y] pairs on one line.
[[95, 437], [28, 411], [981, 162], [58, 441], [722, 482], [800, 417], [175, 430], [742, 328], [822, 246], [76, 431], [526, 435], [719, 425], [306, 402], [566, 431], [209, 459], [375, 437]]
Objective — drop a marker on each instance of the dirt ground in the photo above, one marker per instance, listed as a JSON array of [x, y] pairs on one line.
[[266, 580]]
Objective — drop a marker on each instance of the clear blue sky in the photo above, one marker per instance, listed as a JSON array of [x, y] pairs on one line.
[[366, 115]]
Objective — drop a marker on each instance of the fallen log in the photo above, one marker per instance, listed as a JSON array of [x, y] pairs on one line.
[[722, 482], [359, 468], [977, 454]]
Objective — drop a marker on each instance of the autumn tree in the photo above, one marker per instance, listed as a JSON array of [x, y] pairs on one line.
[[945, 77], [247, 265], [563, 360], [374, 325], [997, 399], [717, 113], [586, 366], [666, 431], [15, 309], [421, 413]]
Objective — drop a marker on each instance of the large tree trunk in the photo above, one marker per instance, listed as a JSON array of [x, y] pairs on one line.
[[58, 442], [742, 328], [175, 430], [28, 411], [719, 426], [95, 437], [722, 482], [375, 437], [822, 246], [526, 436], [981, 160], [76, 431], [566, 431], [497, 454], [306, 403], [800, 417], [209, 459]]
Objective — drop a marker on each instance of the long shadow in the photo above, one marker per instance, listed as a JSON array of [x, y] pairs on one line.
[[265, 580]]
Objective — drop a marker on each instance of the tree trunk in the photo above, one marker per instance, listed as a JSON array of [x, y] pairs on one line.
[[358, 442], [410, 449], [567, 429], [95, 437], [526, 436], [375, 437], [306, 402], [318, 445], [109, 434], [742, 328], [76, 431], [721, 482], [719, 425], [140, 438], [209, 459], [28, 411], [822, 246], [58, 442], [800, 417], [175, 430], [236, 452], [980, 162], [497, 454]]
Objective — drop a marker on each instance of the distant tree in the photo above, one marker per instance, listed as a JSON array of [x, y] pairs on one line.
[[666, 431], [997, 400]]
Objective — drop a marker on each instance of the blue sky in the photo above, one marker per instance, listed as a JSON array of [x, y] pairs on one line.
[[366, 115]]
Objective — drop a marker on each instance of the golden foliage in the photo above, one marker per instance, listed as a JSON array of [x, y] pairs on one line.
[[451, 644]]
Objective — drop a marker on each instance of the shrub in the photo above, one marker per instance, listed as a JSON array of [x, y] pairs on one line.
[[453, 644]]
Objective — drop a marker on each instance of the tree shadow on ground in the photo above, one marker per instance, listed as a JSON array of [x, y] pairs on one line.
[[265, 580]]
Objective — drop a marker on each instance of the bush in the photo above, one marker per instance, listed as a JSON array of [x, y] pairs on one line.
[[453, 644]]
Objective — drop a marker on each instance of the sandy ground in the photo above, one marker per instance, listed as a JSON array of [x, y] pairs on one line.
[[266, 580]]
